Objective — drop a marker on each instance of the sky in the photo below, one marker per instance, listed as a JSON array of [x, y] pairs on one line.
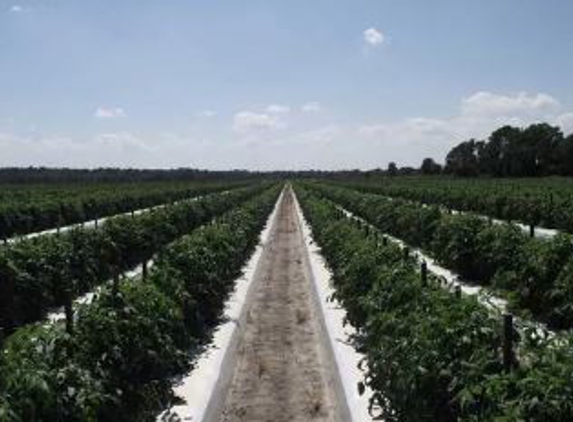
[[268, 84]]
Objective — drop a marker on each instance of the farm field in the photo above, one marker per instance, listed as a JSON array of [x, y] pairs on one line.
[[26, 209], [428, 351], [46, 272], [533, 274], [433, 353], [538, 202], [286, 211]]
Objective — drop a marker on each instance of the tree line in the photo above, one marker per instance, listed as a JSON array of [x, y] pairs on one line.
[[537, 150], [112, 175]]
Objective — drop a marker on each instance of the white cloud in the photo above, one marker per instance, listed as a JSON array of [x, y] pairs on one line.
[[121, 149], [248, 121], [324, 134], [412, 128], [278, 109], [17, 8], [309, 141], [380, 130], [207, 114], [373, 37], [485, 103], [407, 141], [109, 113], [565, 121], [120, 140], [311, 107]]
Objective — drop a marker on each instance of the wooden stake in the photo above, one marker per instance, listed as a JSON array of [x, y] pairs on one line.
[[69, 311], [424, 273], [508, 355]]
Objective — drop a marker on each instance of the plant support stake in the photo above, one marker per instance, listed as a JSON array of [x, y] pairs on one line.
[[508, 357], [69, 311], [144, 270], [424, 273], [458, 291]]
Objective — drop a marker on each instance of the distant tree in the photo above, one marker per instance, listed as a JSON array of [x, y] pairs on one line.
[[392, 169], [429, 166], [564, 156], [497, 157], [516, 152], [462, 160], [539, 143], [405, 171], [538, 150]]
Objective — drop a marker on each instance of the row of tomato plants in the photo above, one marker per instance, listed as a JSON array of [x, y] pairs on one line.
[[42, 273], [547, 203], [41, 209], [536, 276], [429, 354], [119, 360]]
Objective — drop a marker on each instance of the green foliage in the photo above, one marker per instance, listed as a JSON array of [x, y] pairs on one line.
[[35, 274], [125, 347], [546, 202], [429, 355], [512, 152], [26, 209], [535, 275]]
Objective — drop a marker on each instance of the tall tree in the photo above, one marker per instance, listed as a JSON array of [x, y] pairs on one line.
[[540, 142], [462, 160], [392, 169], [429, 166], [499, 153], [564, 156]]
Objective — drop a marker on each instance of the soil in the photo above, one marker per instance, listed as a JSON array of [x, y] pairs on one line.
[[282, 368]]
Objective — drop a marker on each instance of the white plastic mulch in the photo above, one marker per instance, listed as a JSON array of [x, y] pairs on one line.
[[196, 388], [346, 357]]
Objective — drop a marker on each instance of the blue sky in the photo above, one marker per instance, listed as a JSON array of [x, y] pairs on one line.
[[274, 84]]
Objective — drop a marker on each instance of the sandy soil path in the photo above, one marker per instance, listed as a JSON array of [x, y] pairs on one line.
[[283, 367]]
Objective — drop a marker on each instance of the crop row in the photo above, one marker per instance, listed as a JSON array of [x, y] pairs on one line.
[[536, 276], [48, 271], [432, 355], [546, 202], [126, 345], [26, 210]]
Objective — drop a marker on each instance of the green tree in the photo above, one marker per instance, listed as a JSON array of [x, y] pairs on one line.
[[429, 166], [392, 169], [462, 160]]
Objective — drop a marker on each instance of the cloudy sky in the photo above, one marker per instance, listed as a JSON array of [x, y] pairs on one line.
[[271, 84]]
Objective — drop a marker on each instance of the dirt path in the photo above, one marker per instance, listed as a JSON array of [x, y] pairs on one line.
[[283, 368]]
